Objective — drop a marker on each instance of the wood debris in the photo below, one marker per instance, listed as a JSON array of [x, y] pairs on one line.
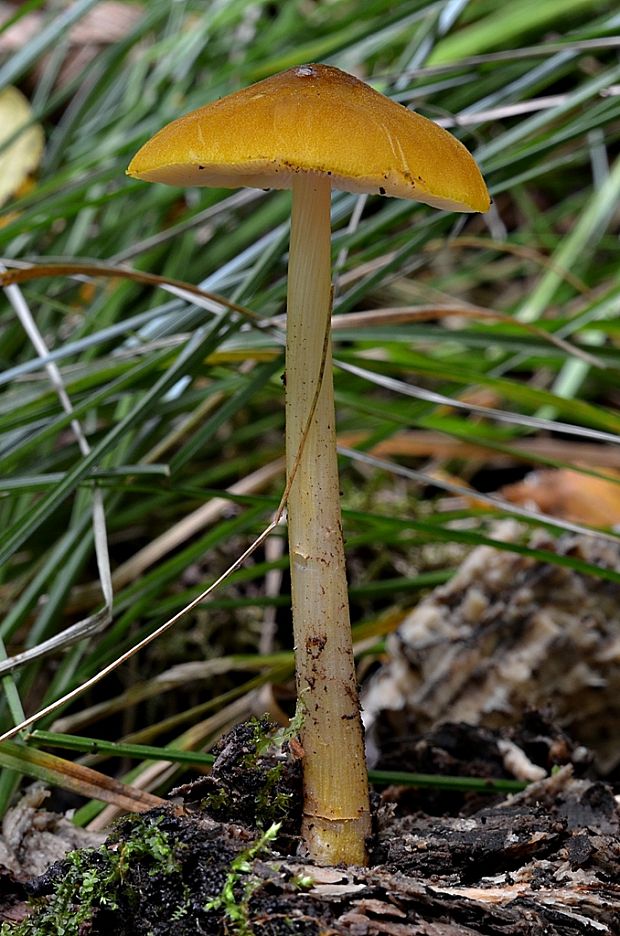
[[507, 634]]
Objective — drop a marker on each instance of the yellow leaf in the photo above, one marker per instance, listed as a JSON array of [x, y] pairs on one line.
[[23, 155]]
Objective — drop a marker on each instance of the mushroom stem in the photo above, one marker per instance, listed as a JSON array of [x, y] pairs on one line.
[[336, 819]]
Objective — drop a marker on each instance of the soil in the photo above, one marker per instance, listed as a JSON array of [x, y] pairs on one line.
[[544, 861], [224, 857]]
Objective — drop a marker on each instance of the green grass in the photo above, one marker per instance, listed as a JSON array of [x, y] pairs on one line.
[[179, 397]]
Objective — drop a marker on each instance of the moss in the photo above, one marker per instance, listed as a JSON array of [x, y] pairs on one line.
[[163, 873], [255, 779], [240, 885], [170, 871], [89, 881]]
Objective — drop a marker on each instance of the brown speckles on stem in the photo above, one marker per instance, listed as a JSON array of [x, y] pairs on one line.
[[351, 691], [315, 644]]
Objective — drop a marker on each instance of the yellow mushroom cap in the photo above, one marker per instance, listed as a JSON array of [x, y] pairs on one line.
[[315, 119]]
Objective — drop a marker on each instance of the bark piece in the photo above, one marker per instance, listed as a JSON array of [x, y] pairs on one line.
[[509, 633], [33, 838]]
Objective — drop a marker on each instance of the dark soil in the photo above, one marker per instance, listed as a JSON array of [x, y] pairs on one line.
[[545, 861]]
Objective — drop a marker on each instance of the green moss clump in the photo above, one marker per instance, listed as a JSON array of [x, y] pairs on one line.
[[90, 881], [169, 872], [255, 780]]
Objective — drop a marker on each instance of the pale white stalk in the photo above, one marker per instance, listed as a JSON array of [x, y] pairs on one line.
[[336, 819]]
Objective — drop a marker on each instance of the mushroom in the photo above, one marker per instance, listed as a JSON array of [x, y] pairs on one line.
[[311, 129]]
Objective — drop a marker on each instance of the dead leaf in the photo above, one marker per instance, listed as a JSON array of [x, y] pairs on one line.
[[570, 495], [23, 155], [109, 22]]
